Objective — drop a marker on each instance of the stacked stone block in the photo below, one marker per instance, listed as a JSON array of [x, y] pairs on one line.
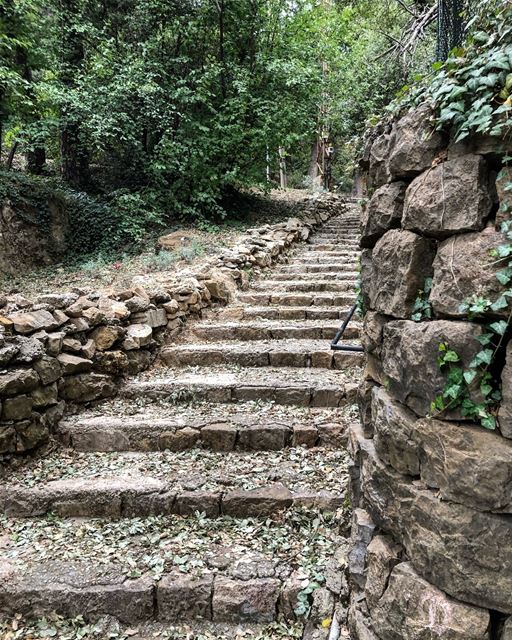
[[432, 536]]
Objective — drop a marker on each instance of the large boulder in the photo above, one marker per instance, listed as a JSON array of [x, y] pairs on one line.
[[464, 552], [361, 535], [410, 358], [466, 463], [414, 143], [29, 240], [503, 182], [73, 364], [394, 427], [505, 412], [371, 338], [401, 262], [18, 381], [366, 276], [379, 153], [383, 212], [413, 609], [383, 555], [462, 269], [105, 336], [453, 197], [137, 336]]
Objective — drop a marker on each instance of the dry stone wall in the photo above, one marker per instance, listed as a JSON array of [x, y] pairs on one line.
[[76, 347], [431, 550]]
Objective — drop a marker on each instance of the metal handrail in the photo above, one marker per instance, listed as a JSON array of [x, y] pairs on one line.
[[345, 347]]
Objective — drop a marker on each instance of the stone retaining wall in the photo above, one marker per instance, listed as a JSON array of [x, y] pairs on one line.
[[75, 347], [431, 550]]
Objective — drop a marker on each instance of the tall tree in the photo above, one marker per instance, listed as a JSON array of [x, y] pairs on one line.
[[74, 152]]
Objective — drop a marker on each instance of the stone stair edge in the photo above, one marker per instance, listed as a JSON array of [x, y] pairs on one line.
[[144, 496], [173, 597]]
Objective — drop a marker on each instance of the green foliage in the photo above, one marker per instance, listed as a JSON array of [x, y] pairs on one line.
[[474, 390], [472, 91], [96, 225], [159, 109], [422, 309], [472, 94]]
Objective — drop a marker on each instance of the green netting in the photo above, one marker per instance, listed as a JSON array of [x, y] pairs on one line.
[[450, 26]]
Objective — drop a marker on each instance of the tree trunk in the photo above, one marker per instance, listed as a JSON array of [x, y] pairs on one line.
[[36, 159], [221, 9], [74, 157], [313, 163], [283, 178], [12, 153], [74, 154]]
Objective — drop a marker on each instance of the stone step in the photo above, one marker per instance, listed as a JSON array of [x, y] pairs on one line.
[[300, 273], [304, 286], [309, 255], [134, 484], [334, 243], [285, 299], [283, 386], [107, 627], [249, 426], [351, 223], [328, 249], [287, 313], [337, 236], [340, 268], [167, 569], [273, 330], [260, 353], [327, 245]]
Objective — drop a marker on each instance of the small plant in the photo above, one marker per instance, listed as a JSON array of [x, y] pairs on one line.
[[422, 309], [473, 390], [208, 227], [196, 249], [303, 606], [160, 261], [94, 264]]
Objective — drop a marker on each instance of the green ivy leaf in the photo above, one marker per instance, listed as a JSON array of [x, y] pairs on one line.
[[501, 303], [469, 376], [451, 356], [504, 276], [482, 357], [489, 422], [499, 327], [485, 389], [453, 391]]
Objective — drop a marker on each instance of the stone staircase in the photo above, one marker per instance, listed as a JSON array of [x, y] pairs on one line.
[[212, 490]]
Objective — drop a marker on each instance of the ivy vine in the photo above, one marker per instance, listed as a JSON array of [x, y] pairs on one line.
[[422, 309], [474, 390]]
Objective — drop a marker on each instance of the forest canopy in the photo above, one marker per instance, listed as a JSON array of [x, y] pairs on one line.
[[156, 110]]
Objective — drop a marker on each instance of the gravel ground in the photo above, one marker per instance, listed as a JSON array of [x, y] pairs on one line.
[[59, 628], [298, 540], [197, 469], [252, 412], [292, 374]]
